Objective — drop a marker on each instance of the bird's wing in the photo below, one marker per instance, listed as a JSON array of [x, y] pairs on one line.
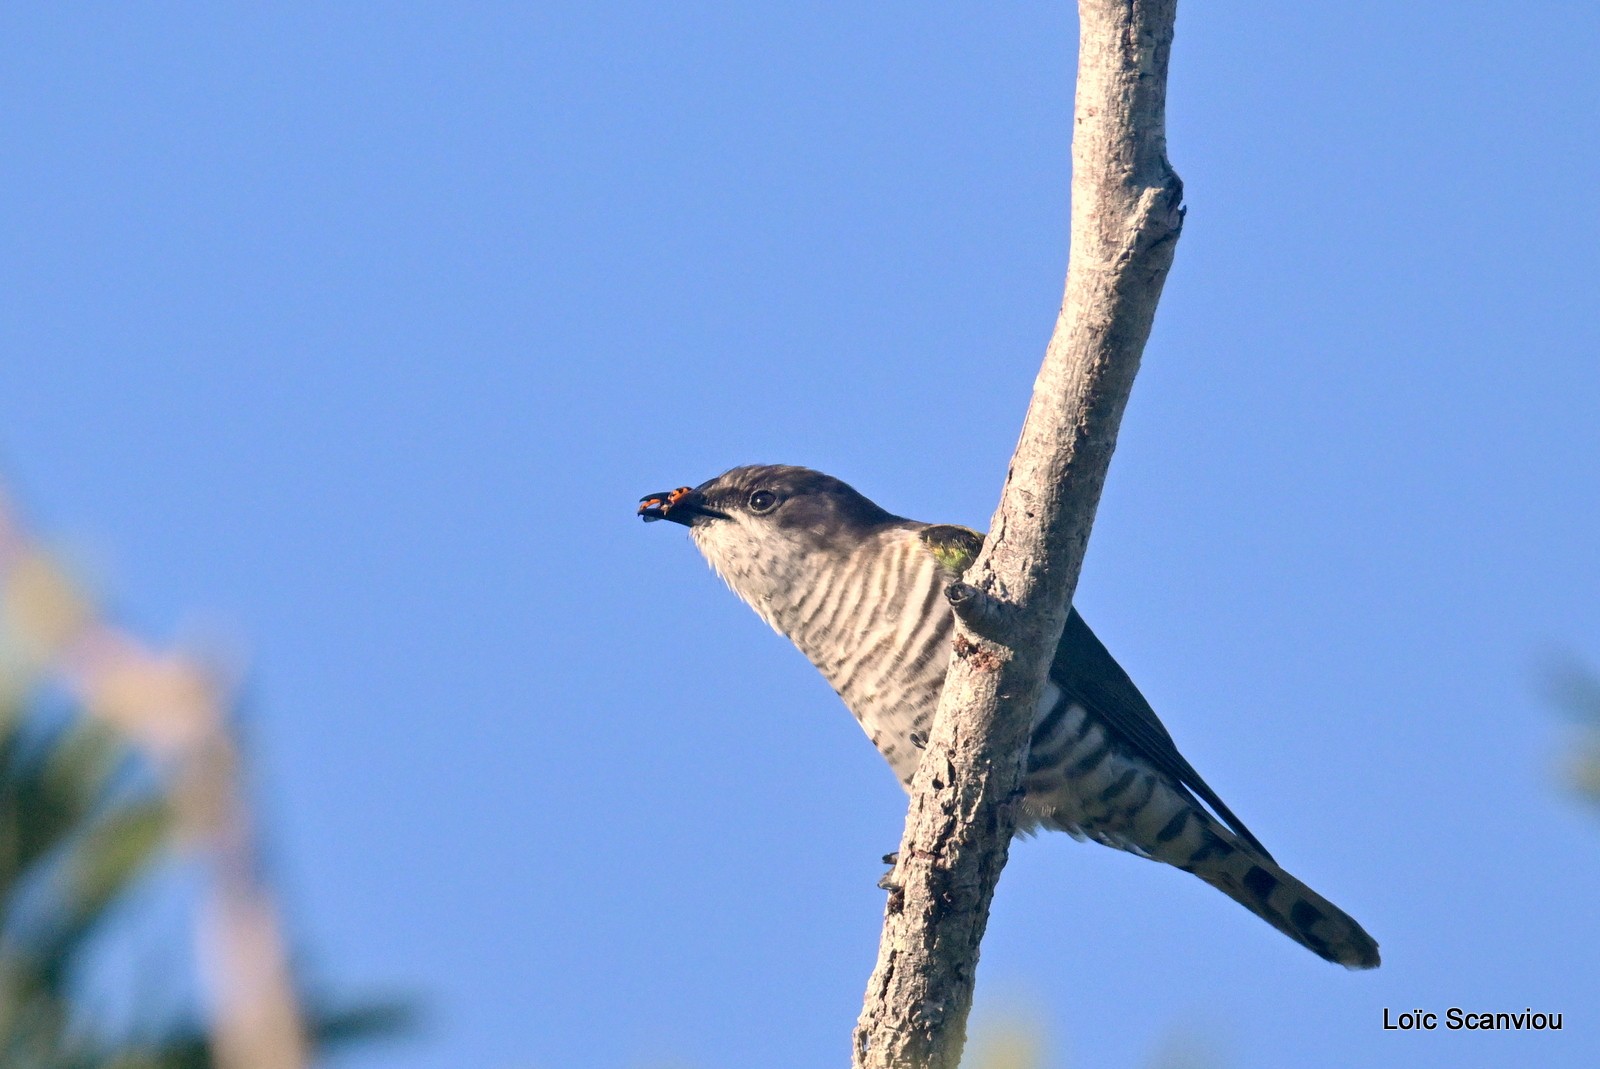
[[1087, 673], [1085, 670]]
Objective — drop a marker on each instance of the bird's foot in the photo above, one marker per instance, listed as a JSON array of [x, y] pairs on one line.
[[1013, 805]]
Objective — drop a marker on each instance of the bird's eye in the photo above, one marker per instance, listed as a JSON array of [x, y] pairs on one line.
[[763, 501]]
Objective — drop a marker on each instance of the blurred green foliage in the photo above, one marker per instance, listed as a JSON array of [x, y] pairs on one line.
[[1017, 1040], [74, 837], [81, 824], [1576, 691]]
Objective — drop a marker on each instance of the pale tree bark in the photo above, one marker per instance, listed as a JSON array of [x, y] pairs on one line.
[[1013, 604]]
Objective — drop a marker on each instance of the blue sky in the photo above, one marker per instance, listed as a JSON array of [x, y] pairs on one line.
[[354, 335]]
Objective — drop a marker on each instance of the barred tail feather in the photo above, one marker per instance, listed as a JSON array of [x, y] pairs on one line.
[[1265, 889]]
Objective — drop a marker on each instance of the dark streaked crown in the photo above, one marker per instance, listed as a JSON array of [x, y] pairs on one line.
[[806, 499]]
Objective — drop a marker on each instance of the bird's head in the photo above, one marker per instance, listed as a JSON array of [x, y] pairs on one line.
[[764, 526]]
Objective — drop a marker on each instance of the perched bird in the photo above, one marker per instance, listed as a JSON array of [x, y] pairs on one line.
[[861, 592]]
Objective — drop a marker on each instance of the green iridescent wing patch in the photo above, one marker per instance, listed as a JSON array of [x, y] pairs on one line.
[[953, 546]]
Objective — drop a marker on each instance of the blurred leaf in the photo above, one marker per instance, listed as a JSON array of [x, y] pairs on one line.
[[50, 780], [1575, 690], [59, 779], [383, 1019], [1583, 774], [1014, 1042], [102, 865]]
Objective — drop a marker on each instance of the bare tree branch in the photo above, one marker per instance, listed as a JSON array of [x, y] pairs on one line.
[[1013, 604]]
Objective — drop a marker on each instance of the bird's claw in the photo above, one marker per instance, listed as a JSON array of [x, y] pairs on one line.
[[886, 882]]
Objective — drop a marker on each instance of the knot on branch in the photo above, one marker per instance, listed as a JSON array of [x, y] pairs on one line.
[[1158, 213], [973, 607], [981, 657]]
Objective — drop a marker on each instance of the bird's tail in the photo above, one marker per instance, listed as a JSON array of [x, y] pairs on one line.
[[1259, 884]]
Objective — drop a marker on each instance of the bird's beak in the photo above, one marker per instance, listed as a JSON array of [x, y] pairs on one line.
[[683, 505]]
